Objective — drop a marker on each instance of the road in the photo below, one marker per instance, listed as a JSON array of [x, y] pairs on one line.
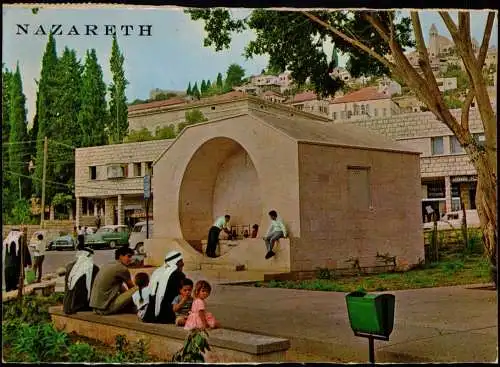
[[56, 259]]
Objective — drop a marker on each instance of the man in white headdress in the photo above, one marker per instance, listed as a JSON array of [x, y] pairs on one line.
[[80, 275], [165, 283], [12, 246]]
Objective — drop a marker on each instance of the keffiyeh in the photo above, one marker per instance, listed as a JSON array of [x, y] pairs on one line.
[[84, 265], [160, 277]]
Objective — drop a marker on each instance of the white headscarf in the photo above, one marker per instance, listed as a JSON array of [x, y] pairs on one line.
[[13, 236], [84, 265], [160, 277]]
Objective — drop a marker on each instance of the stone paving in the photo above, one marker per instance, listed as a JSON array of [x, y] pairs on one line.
[[447, 324]]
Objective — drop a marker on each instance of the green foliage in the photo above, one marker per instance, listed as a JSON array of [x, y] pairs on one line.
[[21, 213], [195, 345], [234, 76], [294, 42], [118, 122], [453, 102], [135, 136], [219, 83], [18, 153], [93, 116], [455, 71], [195, 92], [28, 336], [166, 132], [188, 90], [164, 96], [194, 116]]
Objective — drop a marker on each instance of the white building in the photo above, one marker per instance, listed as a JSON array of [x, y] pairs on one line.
[[361, 104]]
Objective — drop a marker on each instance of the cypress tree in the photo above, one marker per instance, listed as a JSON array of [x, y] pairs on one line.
[[65, 124], [48, 89], [93, 114], [219, 83], [118, 122], [18, 133], [203, 87], [195, 91], [7, 197], [188, 91]]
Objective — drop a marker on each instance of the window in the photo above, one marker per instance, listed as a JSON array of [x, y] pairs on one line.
[[117, 171], [356, 109], [384, 112], [149, 168], [212, 108], [375, 112], [437, 145], [93, 172], [455, 146], [349, 114], [335, 115], [137, 169], [480, 139], [359, 187], [363, 111]]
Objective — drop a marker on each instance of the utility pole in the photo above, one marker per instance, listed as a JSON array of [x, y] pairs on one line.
[[45, 152]]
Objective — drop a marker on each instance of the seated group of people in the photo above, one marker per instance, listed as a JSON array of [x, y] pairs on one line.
[[166, 298]]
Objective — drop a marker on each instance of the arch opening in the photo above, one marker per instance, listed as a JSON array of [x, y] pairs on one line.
[[219, 179]]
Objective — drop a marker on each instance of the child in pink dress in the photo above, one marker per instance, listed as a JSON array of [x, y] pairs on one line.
[[199, 318]]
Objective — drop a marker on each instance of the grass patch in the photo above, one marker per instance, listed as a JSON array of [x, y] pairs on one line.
[[454, 270]]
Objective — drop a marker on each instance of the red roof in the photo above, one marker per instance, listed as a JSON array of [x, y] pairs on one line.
[[305, 96], [365, 94], [157, 104]]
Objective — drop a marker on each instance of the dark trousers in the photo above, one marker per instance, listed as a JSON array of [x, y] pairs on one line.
[[12, 274], [38, 266], [213, 240], [81, 241]]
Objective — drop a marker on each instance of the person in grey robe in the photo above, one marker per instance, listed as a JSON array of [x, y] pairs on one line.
[[80, 276], [12, 247]]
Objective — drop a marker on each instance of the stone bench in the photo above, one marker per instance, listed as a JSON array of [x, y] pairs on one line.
[[164, 340], [44, 288]]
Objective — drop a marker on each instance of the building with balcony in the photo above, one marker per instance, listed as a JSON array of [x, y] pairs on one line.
[[109, 181]]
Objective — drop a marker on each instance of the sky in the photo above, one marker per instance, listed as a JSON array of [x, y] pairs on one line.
[[170, 58]]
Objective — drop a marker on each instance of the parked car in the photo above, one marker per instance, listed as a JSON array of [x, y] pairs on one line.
[[48, 236], [91, 230], [108, 236], [138, 235], [453, 220], [61, 243]]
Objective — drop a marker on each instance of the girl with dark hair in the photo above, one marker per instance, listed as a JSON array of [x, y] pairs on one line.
[[141, 296]]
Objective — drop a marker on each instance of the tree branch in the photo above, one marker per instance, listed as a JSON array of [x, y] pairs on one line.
[[480, 59], [352, 41], [377, 25]]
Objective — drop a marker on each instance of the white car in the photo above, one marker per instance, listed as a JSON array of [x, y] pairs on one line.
[[453, 220], [138, 235]]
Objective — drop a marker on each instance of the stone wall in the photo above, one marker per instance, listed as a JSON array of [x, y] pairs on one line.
[[334, 228]]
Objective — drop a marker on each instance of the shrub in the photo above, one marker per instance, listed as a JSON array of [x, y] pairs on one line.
[[194, 346], [82, 352]]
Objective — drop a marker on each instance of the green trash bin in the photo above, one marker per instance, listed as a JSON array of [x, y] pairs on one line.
[[371, 314]]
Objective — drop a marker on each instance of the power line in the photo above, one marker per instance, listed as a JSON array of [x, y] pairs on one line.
[[66, 185]]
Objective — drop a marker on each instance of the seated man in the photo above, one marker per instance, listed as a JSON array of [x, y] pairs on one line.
[[80, 276], [165, 284], [277, 230], [109, 296]]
